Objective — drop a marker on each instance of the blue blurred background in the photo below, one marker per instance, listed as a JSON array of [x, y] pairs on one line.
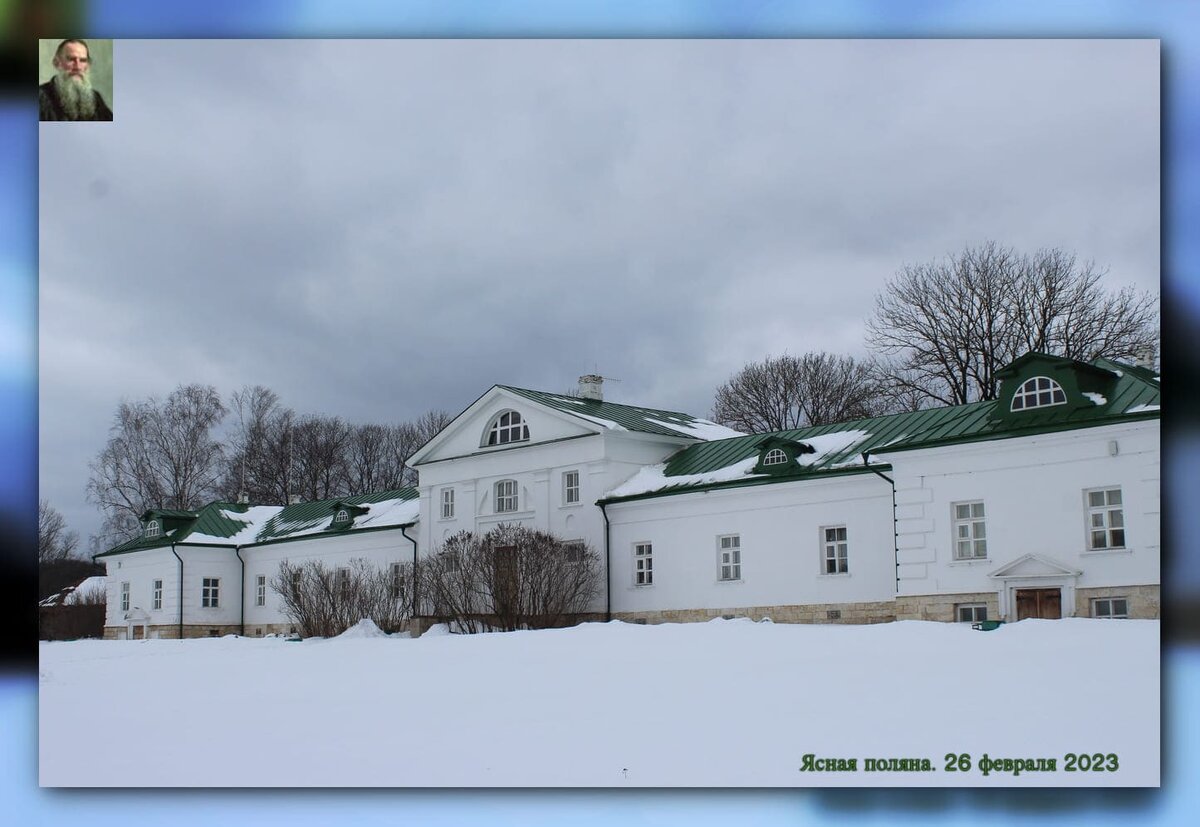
[[1175, 22]]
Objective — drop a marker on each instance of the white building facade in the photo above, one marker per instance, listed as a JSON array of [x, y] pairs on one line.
[[1041, 503]]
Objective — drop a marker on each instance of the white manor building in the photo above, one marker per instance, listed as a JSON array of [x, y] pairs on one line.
[[1041, 503]]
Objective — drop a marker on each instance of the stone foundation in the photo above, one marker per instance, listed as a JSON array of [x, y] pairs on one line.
[[171, 632], [942, 606], [847, 613], [1144, 601]]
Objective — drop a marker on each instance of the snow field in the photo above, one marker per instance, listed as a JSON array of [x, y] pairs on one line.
[[719, 704]]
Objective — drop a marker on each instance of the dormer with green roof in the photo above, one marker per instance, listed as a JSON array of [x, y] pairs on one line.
[[1038, 386]]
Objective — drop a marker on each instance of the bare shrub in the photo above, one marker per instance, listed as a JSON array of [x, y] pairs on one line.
[[511, 578], [324, 601]]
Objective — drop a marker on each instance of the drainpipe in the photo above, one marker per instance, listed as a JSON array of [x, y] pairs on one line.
[[180, 559], [607, 566], [238, 551], [895, 529], [404, 533]]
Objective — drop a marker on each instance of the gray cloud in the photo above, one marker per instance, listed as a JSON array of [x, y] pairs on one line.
[[376, 228]]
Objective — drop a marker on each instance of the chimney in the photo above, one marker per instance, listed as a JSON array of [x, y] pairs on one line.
[[295, 499], [243, 498], [589, 387], [1145, 358]]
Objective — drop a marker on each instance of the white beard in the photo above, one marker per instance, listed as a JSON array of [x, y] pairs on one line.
[[76, 95]]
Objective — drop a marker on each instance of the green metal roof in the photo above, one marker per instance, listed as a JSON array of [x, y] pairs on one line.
[[218, 522], [1133, 388], [628, 417]]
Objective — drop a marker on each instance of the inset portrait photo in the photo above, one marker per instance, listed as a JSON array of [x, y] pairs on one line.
[[75, 80]]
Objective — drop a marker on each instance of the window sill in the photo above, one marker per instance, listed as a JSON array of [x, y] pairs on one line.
[[446, 519], [975, 561], [1104, 552], [721, 582], [570, 505], [833, 576]]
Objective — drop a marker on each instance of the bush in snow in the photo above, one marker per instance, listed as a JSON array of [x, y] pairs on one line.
[[325, 601], [510, 578]]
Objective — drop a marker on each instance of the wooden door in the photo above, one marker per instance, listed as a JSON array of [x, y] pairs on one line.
[[1041, 603], [504, 582]]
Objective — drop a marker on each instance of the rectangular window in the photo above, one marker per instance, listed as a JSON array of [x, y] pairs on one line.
[[970, 531], [447, 503], [970, 612], [729, 555], [835, 558], [506, 496], [1110, 607], [397, 583], [125, 596], [156, 595], [570, 487], [643, 564], [1106, 519], [573, 550], [210, 593], [260, 590], [343, 582]]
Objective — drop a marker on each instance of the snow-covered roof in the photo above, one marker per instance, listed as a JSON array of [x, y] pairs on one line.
[[235, 524]]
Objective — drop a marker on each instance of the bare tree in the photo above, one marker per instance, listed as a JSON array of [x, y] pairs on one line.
[[324, 601], [56, 542], [946, 327], [511, 578], [159, 454], [786, 391]]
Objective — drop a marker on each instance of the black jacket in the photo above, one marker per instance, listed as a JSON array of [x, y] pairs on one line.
[[50, 106]]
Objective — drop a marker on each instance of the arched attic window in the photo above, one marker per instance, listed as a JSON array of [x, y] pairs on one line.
[[776, 456], [508, 426], [343, 516], [153, 528], [1038, 392]]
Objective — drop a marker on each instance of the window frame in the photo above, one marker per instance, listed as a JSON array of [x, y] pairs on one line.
[[840, 546], [124, 595], [260, 590], [396, 583], [729, 558], [970, 522], [1110, 615], [1105, 512], [153, 529], [342, 516], [447, 503], [499, 498], [341, 582], [210, 592], [1030, 397], [156, 595], [574, 551], [568, 489], [769, 458], [500, 433], [643, 564], [974, 609]]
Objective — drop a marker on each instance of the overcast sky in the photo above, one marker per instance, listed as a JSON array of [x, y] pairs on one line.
[[377, 228]]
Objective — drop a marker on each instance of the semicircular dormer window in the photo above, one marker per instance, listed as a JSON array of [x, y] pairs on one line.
[[343, 516], [153, 528], [776, 456], [1038, 392], [508, 427]]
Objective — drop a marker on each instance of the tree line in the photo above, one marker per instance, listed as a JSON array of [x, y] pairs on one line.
[[938, 334], [191, 448]]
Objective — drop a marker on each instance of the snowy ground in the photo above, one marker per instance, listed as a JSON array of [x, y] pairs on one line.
[[720, 704]]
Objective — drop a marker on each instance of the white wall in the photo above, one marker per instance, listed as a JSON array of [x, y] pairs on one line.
[[141, 568], [1033, 493], [378, 548], [780, 529]]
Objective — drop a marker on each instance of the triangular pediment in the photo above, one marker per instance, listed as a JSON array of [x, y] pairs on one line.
[[1033, 565], [467, 433]]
